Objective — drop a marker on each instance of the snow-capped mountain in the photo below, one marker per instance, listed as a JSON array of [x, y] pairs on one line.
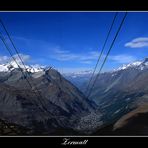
[[80, 79], [138, 64], [117, 91], [56, 104], [12, 65], [134, 64]]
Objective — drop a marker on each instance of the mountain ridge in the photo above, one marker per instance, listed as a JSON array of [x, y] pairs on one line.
[[62, 105]]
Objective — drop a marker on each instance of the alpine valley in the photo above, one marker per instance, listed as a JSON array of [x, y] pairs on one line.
[[57, 104], [122, 97]]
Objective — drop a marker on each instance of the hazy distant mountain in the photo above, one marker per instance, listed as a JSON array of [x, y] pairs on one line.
[[60, 105], [79, 79]]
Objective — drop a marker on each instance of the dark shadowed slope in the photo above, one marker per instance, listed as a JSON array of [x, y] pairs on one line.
[[60, 104], [133, 123]]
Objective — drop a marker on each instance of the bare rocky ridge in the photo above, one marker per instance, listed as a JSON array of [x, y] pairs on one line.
[[121, 97], [118, 93], [60, 105]]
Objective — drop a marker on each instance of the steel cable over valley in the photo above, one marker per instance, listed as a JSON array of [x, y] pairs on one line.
[[89, 93], [108, 34]]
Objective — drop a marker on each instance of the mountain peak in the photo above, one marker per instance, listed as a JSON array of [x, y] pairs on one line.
[[138, 64], [12, 65], [130, 65], [146, 60]]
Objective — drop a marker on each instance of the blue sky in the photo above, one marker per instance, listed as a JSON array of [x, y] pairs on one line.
[[71, 41]]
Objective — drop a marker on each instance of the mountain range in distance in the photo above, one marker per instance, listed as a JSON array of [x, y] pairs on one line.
[[51, 104], [57, 103], [119, 92]]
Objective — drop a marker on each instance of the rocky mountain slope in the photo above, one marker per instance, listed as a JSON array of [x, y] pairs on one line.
[[122, 90], [119, 91], [52, 103], [134, 123]]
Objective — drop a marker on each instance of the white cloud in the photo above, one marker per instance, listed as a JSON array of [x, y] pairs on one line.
[[25, 58], [65, 55], [138, 43], [57, 50], [6, 59], [87, 58], [123, 58], [90, 57], [86, 62]]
